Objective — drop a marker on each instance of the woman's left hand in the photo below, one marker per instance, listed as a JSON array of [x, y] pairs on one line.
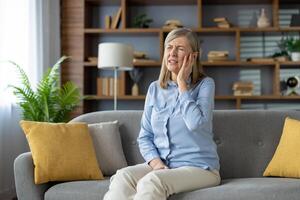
[[185, 71], [157, 164]]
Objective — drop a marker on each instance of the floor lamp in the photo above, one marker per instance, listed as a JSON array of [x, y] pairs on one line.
[[117, 57]]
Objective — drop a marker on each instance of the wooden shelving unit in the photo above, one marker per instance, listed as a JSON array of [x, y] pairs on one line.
[[229, 97], [128, 30], [136, 64], [81, 28], [122, 97]]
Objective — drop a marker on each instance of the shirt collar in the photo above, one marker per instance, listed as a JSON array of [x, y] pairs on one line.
[[173, 83]]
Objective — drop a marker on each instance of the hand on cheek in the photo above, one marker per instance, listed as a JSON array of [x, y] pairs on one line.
[[185, 71]]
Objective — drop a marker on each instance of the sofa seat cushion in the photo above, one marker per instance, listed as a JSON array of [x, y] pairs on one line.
[[78, 190], [247, 188], [230, 189]]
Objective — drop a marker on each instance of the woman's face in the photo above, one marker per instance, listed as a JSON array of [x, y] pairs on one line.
[[174, 54]]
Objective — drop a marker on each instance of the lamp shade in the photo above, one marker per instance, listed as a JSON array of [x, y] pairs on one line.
[[115, 55]]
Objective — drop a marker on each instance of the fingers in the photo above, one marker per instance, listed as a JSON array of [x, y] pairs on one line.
[[157, 164], [185, 59], [164, 167], [160, 167], [186, 67], [191, 60], [186, 62], [181, 70]]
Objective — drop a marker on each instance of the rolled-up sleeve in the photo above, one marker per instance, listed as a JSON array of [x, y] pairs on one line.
[[199, 111], [146, 136]]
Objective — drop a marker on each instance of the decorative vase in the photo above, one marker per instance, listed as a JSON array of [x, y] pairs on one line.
[[295, 56], [263, 21], [135, 90]]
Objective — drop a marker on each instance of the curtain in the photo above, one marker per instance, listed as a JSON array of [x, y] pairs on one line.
[[26, 39]]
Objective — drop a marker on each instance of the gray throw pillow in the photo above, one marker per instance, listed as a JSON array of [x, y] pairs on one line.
[[107, 142]]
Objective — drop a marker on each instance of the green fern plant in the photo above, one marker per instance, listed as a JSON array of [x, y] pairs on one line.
[[293, 45], [50, 102]]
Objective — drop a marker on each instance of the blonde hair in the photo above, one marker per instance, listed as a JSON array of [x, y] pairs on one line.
[[197, 71]]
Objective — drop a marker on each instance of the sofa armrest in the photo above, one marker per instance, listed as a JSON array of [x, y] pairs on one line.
[[24, 179]]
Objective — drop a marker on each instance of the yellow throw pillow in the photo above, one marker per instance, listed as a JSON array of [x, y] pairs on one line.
[[286, 160], [61, 152]]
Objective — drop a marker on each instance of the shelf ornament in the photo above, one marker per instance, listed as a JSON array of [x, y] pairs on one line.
[[263, 21], [135, 76]]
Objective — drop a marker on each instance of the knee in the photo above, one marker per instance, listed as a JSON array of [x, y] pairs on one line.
[[150, 182], [122, 175]]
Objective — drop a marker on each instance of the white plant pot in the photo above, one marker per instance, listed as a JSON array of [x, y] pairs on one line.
[[295, 56]]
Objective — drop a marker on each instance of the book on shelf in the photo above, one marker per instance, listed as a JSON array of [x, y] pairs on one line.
[[220, 19], [243, 85], [295, 21], [111, 86], [222, 22], [217, 55], [121, 83], [99, 86], [107, 21], [242, 93], [143, 61], [93, 60], [116, 19], [223, 25], [243, 88], [105, 86], [214, 59]]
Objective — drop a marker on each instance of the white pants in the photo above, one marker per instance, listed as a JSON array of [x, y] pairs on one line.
[[140, 182]]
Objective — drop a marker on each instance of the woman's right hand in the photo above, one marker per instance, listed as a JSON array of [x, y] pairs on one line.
[[157, 163]]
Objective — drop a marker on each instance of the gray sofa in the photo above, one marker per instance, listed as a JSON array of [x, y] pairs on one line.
[[246, 142]]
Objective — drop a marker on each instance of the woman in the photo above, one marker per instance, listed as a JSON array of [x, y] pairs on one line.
[[176, 137]]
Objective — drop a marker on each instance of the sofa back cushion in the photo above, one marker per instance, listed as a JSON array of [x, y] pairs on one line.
[[61, 152], [107, 142], [129, 126], [246, 139]]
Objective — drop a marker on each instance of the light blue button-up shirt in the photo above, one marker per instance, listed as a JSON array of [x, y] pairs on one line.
[[178, 127]]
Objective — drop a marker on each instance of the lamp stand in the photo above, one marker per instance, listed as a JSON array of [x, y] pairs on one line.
[[115, 87]]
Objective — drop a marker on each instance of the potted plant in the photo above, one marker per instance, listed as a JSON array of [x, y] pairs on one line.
[[141, 21], [283, 54], [50, 102], [293, 47]]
